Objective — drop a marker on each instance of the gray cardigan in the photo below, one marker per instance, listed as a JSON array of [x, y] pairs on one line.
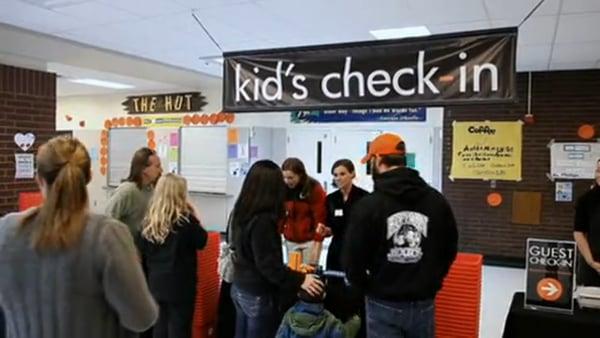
[[94, 290]]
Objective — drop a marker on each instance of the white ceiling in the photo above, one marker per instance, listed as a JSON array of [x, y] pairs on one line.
[[562, 34]]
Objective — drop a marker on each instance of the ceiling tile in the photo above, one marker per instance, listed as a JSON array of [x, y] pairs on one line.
[[95, 13], [572, 66], [459, 27], [195, 4], [538, 30], [438, 12], [533, 54], [580, 6], [146, 8], [576, 53], [518, 9], [578, 28], [28, 16]]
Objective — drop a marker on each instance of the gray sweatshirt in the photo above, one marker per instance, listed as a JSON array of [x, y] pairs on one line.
[[93, 290], [128, 204]]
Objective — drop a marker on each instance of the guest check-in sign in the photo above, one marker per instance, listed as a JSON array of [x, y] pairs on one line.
[[550, 275]]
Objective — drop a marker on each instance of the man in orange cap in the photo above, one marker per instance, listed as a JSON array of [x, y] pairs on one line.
[[400, 244]]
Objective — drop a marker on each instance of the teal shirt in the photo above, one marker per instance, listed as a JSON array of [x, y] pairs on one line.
[[129, 204]]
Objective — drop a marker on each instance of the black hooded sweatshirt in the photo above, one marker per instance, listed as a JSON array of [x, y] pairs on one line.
[[401, 240]]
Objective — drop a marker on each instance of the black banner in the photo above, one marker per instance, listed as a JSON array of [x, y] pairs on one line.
[[550, 274], [438, 70], [165, 103]]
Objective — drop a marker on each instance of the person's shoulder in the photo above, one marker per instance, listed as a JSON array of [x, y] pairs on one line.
[[334, 195], [127, 187], [11, 221], [106, 227]]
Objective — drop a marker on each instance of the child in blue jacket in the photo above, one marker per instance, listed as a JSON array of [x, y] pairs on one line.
[[308, 318]]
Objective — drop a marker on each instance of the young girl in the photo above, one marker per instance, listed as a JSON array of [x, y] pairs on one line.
[[65, 272], [171, 236], [305, 211]]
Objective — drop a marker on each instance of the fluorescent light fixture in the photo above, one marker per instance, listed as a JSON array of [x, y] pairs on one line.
[[399, 33], [218, 60], [101, 83]]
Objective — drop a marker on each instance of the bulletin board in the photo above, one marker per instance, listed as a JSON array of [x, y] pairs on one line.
[[122, 144], [573, 160], [203, 158]]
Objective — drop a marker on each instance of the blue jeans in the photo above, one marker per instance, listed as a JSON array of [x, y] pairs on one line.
[[400, 319], [255, 315]]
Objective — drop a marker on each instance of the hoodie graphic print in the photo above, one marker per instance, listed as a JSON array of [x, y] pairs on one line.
[[406, 231]]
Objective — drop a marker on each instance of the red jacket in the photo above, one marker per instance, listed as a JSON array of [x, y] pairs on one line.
[[304, 214]]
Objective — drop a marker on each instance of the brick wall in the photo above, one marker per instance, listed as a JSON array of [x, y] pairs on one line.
[[561, 101], [27, 105]]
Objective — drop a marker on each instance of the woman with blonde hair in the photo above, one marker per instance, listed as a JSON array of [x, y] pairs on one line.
[[170, 238], [65, 272]]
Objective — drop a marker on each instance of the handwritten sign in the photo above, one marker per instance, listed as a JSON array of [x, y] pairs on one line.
[[165, 103], [487, 150]]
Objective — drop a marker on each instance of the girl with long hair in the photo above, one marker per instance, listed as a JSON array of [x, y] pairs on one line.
[[65, 272], [305, 211], [171, 236], [260, 274]]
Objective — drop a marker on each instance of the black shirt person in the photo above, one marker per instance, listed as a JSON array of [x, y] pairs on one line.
[[342, 301], [587, 233]]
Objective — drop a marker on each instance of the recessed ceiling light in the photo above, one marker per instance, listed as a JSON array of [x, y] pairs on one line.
[[399, 33], [101, 83]]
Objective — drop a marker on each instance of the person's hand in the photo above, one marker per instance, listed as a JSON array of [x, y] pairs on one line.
[[313, 285], [596, 266], [323, 230]]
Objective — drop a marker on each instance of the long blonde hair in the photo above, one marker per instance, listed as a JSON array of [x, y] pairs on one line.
[[167, 206], [64, 165]]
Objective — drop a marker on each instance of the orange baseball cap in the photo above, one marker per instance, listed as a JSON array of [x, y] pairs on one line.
[[384, 144]]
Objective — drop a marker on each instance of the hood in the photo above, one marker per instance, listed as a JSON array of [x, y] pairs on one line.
[[306, 319], [401, 183]]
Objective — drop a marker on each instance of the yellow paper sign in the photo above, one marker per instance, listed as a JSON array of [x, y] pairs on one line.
[[487, 150]]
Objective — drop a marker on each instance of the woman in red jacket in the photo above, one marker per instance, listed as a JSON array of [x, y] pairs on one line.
[[305, 211]]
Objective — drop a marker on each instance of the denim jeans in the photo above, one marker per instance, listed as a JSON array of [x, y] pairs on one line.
[[400, 319], [255, 315]]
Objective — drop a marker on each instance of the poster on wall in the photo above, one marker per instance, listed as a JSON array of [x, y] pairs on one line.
[[458, 68], [563, 192], [486, 150], [550, 275], [24, 166], [574, 161], [417, 114]]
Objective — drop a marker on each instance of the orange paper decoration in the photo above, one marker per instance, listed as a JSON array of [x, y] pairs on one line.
[[107, 124], [213, 118], [103, 160], [187, 120], [137, 121], [196, 119], [150, 134], [103, 171], [229, 117], [586, 131], [494, 199], [204, 119]]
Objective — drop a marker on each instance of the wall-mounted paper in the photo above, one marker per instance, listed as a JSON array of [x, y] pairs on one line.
[[24, 166]]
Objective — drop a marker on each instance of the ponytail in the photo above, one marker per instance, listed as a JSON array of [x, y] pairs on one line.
[[64, 165]]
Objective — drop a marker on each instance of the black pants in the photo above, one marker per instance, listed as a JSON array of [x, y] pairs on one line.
[[174, 320]]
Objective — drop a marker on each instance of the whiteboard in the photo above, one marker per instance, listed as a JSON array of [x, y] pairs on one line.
[[574, 160], [203, 158], [122, 144]]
